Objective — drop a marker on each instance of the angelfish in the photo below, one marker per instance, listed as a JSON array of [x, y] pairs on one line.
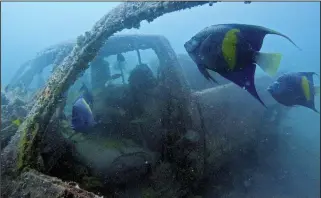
[[296, 88], [82, 116], [233, 50]]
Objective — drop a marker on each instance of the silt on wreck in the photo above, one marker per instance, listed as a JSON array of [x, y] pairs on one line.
[[198, 131]]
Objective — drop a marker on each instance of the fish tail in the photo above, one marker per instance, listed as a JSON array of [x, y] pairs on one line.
[[269, 62], [270, 31], [206, 74]]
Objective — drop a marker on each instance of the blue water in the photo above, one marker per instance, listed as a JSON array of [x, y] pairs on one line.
[[27, 28]]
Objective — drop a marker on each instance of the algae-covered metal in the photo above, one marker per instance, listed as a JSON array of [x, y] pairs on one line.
[[87, 47], [29, 134], [53, 55]]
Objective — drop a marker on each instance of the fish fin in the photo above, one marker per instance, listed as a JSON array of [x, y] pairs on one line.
[[269, 62], [270, 31], [207, 45], [255, 34], [310, 104], [87, 94], [87, 106], [245, 79], [316, 90], [205, 73]]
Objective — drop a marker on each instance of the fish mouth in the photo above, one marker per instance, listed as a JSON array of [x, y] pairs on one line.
[[188, 47], [191, 45]]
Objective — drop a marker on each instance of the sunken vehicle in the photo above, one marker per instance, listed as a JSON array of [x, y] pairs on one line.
[[157, 136]]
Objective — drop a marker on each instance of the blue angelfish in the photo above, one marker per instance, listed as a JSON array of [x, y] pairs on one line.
[[296, 88], [82, 116]]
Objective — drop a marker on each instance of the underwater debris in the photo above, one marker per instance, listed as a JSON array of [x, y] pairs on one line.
[[92, 183], [226, 136], [141, 78], [12, 115], [35, 184], [100, 72], [163, 183], [51, 55], [130, 165]]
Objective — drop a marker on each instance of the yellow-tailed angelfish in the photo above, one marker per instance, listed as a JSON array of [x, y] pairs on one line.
[[232, 50], [296, 88]]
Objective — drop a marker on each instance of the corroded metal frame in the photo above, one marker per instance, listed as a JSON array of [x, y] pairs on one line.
[[23, 150]]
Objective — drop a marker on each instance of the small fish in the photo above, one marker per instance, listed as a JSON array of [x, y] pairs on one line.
[[82, 116], [16, 122], [233, 50], [296, 88]]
